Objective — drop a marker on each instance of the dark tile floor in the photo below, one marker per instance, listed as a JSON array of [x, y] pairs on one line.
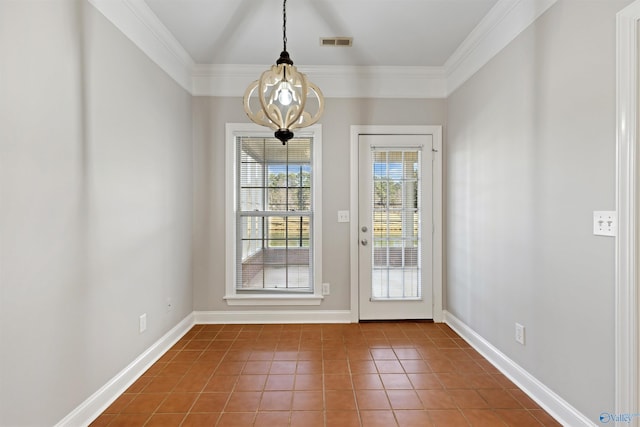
[[367, 374]]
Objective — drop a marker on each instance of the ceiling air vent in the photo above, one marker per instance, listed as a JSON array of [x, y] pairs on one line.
[[336, 41]]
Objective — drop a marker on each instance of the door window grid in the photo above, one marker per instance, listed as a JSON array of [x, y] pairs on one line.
[[396, 224]]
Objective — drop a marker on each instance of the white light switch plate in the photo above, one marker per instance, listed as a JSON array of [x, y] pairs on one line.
[[605, 223]]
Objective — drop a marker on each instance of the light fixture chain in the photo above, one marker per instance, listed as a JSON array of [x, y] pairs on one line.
[[282, 93], [284, 24]]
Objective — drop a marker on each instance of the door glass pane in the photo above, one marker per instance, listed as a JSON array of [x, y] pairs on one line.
[[396, 229]]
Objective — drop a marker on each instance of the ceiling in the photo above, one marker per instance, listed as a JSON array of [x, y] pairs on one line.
[[385, 32], [401, 48]]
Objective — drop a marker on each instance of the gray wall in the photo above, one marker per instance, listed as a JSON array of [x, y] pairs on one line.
[[210, 115], [95, 206], [97, 151], [530, 156]]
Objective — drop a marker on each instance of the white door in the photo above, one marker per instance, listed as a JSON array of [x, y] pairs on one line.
[[395, 227]]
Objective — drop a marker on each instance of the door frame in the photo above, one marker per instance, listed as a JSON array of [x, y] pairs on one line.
[[627, 298], [436, 131]]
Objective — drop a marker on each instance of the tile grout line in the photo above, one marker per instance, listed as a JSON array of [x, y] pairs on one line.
[[333, 342]]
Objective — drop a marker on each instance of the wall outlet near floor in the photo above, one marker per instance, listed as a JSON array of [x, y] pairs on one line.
[[326, 289], [520, 333], [143, 322]]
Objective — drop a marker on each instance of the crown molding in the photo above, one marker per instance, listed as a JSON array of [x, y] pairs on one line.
[[137, 22], [498, 28], [504, 22], [335, 81]]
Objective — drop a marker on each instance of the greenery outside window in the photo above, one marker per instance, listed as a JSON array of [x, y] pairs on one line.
[[273, 217]]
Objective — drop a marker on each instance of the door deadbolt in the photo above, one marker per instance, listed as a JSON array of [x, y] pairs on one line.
[[364, 229]]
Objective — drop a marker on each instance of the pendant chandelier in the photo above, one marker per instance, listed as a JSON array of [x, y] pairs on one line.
[[279, 98]]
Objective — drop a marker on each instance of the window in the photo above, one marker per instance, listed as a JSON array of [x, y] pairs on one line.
[[396, 223], [273, 238]]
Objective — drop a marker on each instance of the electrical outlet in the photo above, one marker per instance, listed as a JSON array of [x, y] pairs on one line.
[[520, 333], [326, 289], [605, 223], [143, 322]]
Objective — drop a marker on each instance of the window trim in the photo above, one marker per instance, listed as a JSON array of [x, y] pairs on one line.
[[234, 130]]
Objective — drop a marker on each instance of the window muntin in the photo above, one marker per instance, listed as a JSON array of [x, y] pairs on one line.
[[274, 215], [396, 224]]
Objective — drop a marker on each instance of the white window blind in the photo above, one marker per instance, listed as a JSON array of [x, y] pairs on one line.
[[396, 218], [274, 215]]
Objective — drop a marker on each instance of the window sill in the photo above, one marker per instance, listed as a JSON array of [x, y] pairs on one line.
[[273, 299]]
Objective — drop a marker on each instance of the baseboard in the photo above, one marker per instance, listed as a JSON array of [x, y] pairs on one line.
[[557, 407], [91, 408], [277, 316]]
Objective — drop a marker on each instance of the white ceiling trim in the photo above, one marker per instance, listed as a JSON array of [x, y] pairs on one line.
[[501, 25], [504, 22], [138, 22], [334, 81]]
